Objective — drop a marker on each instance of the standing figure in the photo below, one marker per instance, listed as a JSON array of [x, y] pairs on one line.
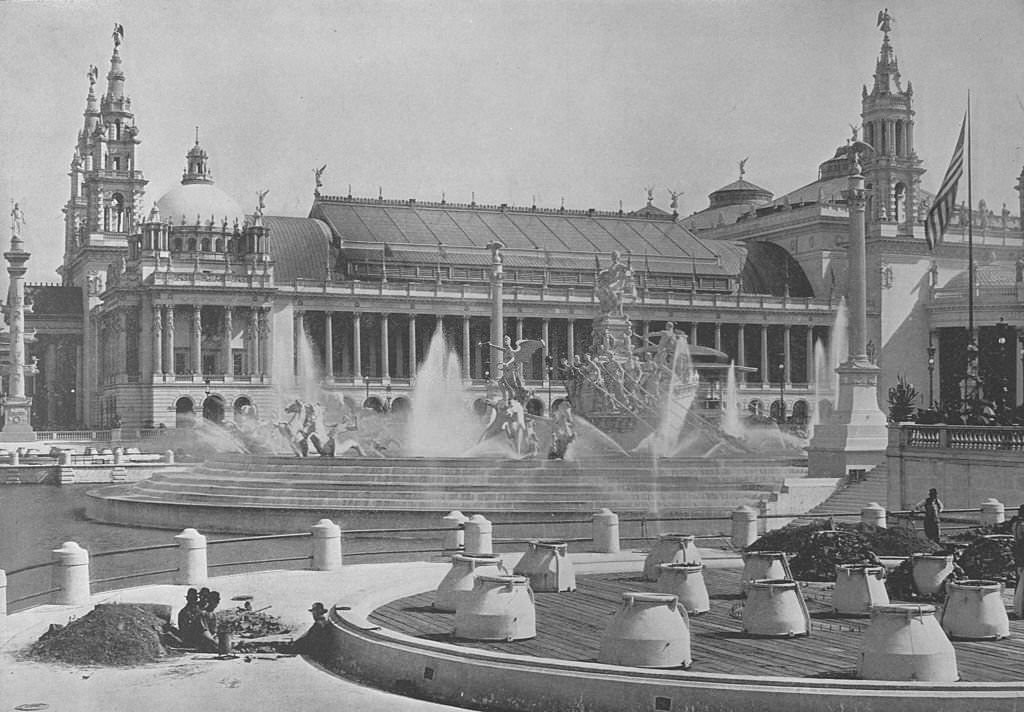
[[932, 508], [513, 359], [563, 431], [613, 283], [1018, 560]]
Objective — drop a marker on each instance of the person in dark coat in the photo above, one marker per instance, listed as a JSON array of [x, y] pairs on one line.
[[932, 508], [315, 642]]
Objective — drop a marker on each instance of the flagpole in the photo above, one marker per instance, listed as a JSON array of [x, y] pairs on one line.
[[972, 343]]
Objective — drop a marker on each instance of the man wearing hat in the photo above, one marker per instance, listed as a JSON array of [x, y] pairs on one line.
[[315, 641]]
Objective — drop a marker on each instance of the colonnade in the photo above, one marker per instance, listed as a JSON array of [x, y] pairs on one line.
[[173, 356], [383, 345]]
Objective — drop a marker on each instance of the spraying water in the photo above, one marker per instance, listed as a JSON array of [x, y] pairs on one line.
[[309, 371], [839, 343], [441, 422], [730, 408], [822, 376]]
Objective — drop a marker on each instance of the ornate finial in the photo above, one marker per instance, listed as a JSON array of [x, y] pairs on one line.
[[197, 135], [674, 194], [885, 21], [318, 177], [743, 167], [93, 74], [118, 35]]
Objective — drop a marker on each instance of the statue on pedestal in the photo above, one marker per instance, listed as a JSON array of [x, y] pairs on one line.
[[613, 284]]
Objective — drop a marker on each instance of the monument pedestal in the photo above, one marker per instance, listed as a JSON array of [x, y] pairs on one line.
[[613, 334], [17, 424], [856, 435]]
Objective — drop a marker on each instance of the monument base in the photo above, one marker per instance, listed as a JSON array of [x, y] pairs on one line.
[[17, 424], [856, 435]]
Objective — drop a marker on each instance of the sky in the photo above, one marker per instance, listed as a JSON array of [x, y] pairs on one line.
[[517, 102]]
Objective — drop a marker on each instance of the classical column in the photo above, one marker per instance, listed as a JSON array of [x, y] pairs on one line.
[[17, 408], [810, 360], [497, 308], [298, 334], [122, 342], [693, 333], [765, 373], [229, 362], [266, 331], [741, 348], [412, 345], [197, 339], [357, 344], [329, 345], [465, 348], [385, 357], [253, 342], [787, 356], [169, 341], [545, 335], [50, 375], [570, 336], [645, 329], [158, 340], [718, 335], [79, 384], [519, 328]]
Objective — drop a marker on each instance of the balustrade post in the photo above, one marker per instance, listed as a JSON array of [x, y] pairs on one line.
[[71, 575], [455, 537], [606, 532], [169, 457], [873, 515], [744, 526], [943, 437], [192, 569], [478, 535], [993, 512], [326, 546]]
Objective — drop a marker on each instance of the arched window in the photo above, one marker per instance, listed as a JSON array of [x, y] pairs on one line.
[[218, 245], [183, 413], [899, 196], [119, 213], [800, 412], [204, 246], [755, 407], [177, 244], [192, 244]]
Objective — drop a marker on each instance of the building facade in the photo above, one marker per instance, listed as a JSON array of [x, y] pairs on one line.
[[196, 306]]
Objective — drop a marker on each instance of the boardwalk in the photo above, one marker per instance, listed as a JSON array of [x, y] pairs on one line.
[[569, 627]]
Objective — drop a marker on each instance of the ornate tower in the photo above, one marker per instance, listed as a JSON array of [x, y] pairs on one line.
[[103, 207], [893, 172]]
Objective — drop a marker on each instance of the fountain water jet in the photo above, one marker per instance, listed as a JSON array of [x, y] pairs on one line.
[[730, 408]]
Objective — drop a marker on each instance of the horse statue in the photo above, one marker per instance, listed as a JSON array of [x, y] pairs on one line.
[[295, 428]]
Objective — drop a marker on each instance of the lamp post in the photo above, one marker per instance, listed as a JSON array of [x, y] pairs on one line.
[[549, 362], [931, 375]]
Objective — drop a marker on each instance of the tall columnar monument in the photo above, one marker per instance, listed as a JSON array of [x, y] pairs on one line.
[[17, 407]]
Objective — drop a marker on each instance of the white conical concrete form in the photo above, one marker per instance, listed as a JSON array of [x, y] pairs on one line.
[[930, 572], [905, 642], [686, 581], [775, 607], [498, 608], [764, 565], [974, 610], [461, 578], [670, 549], [649, 630], [859, 588], [547, 564]]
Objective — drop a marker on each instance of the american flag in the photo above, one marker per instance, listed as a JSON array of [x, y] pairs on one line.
[[938, 216]]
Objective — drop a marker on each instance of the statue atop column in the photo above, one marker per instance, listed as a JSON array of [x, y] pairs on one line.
[[614, 283], [885, 21]]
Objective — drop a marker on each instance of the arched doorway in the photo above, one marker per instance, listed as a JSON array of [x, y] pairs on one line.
[[800, 412], [243, 408], [535, 406], [213, 409], [401, 405], [183, 412], [374, 403]]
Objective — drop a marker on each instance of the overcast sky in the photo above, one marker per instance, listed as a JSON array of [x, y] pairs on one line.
[[518, 101]]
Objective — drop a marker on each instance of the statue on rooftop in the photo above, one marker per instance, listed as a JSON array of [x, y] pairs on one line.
[[118, 34], [261, 196], [743, 167], [93, 74], [674, 195], [885, 20], [17, 220], [318, 173]]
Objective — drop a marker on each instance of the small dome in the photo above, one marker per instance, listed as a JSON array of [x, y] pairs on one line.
[[739, 192], [185, 203]]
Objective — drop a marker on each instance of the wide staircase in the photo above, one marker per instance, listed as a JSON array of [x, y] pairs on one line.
[[501, 490], [852, 496]]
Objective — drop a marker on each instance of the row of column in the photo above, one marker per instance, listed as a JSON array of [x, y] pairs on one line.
[[381, 352], [257, 339]]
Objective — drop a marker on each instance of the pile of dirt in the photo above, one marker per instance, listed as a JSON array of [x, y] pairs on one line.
[[816, 548], [118, 634]]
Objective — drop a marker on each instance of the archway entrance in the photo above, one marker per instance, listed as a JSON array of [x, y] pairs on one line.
[[183, 412], [213, 409]]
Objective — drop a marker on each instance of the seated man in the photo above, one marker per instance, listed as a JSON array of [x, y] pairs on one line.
[[315, 642]]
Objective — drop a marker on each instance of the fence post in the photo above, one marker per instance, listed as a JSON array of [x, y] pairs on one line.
[[606, 531], [873, 514], [3, 594], [118, 456], [71, 575], [169, 457], [478, 535], [326, 546], [744, 526], [993, 511], [16, 456], [455, 537], [192, 569]]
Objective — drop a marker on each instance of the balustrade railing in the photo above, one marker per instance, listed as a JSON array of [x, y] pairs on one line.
[[961, 437]]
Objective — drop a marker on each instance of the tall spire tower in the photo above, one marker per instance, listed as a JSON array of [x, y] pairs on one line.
[[104, 205], [893, 172]]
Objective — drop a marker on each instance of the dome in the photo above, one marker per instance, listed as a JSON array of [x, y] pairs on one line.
[[205, 201], [739, 192]]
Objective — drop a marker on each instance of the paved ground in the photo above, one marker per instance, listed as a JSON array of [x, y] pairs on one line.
[[201, 682]]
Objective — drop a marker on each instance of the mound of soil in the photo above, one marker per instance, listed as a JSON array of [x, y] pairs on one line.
[[118, 634], [245, 623]]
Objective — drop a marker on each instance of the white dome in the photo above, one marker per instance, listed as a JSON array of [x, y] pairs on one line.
[[203, 200]]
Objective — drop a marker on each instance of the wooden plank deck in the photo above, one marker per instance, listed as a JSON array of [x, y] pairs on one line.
[[570, 625]]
